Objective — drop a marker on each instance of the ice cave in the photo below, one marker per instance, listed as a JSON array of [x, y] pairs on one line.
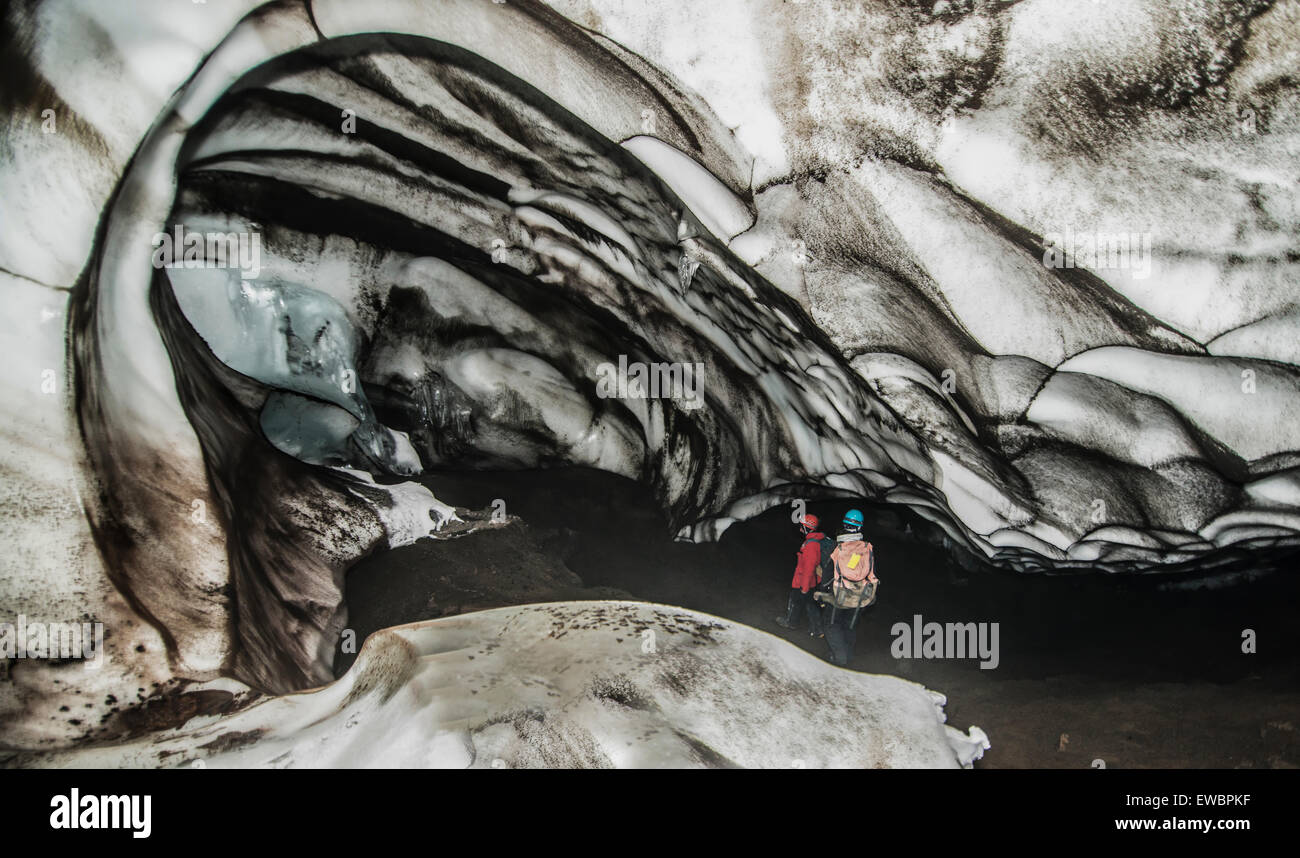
[[444, 383]]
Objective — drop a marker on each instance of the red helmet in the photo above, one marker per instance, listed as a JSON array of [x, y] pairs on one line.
[[809, 522]]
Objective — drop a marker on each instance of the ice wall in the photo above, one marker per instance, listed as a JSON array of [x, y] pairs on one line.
[[467, 209]]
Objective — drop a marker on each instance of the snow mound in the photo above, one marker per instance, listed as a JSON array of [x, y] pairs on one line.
[[573, 684]]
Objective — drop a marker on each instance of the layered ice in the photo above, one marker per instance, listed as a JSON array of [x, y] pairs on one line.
[[466, 210]]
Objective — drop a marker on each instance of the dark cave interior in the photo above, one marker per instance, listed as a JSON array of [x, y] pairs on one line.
[[1078, 653]]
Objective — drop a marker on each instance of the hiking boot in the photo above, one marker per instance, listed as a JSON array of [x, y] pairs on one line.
[[784, 623]]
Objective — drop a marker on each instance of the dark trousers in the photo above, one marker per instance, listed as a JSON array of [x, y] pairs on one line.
[[811, 608], [840, 637]]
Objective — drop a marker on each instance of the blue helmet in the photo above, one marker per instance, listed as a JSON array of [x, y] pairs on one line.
[[853, 519]]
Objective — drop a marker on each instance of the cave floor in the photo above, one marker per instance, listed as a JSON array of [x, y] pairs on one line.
[[1091, 667]]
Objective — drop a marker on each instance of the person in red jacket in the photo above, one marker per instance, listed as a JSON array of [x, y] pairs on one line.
[[807, 572]]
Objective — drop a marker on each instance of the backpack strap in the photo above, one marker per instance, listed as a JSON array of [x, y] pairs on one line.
[[821, 549]]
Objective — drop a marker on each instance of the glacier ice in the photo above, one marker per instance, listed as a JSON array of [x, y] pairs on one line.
[[854, 253]]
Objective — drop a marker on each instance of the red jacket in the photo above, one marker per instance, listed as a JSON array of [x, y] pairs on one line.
[[810, 556]]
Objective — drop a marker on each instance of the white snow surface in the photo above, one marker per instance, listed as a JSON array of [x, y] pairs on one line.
[[572, 684]]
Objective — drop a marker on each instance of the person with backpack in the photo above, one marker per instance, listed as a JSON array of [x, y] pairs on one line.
[[849, 588], [812, 559]]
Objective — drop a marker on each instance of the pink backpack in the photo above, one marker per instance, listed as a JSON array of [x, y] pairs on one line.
[[855, 579]]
